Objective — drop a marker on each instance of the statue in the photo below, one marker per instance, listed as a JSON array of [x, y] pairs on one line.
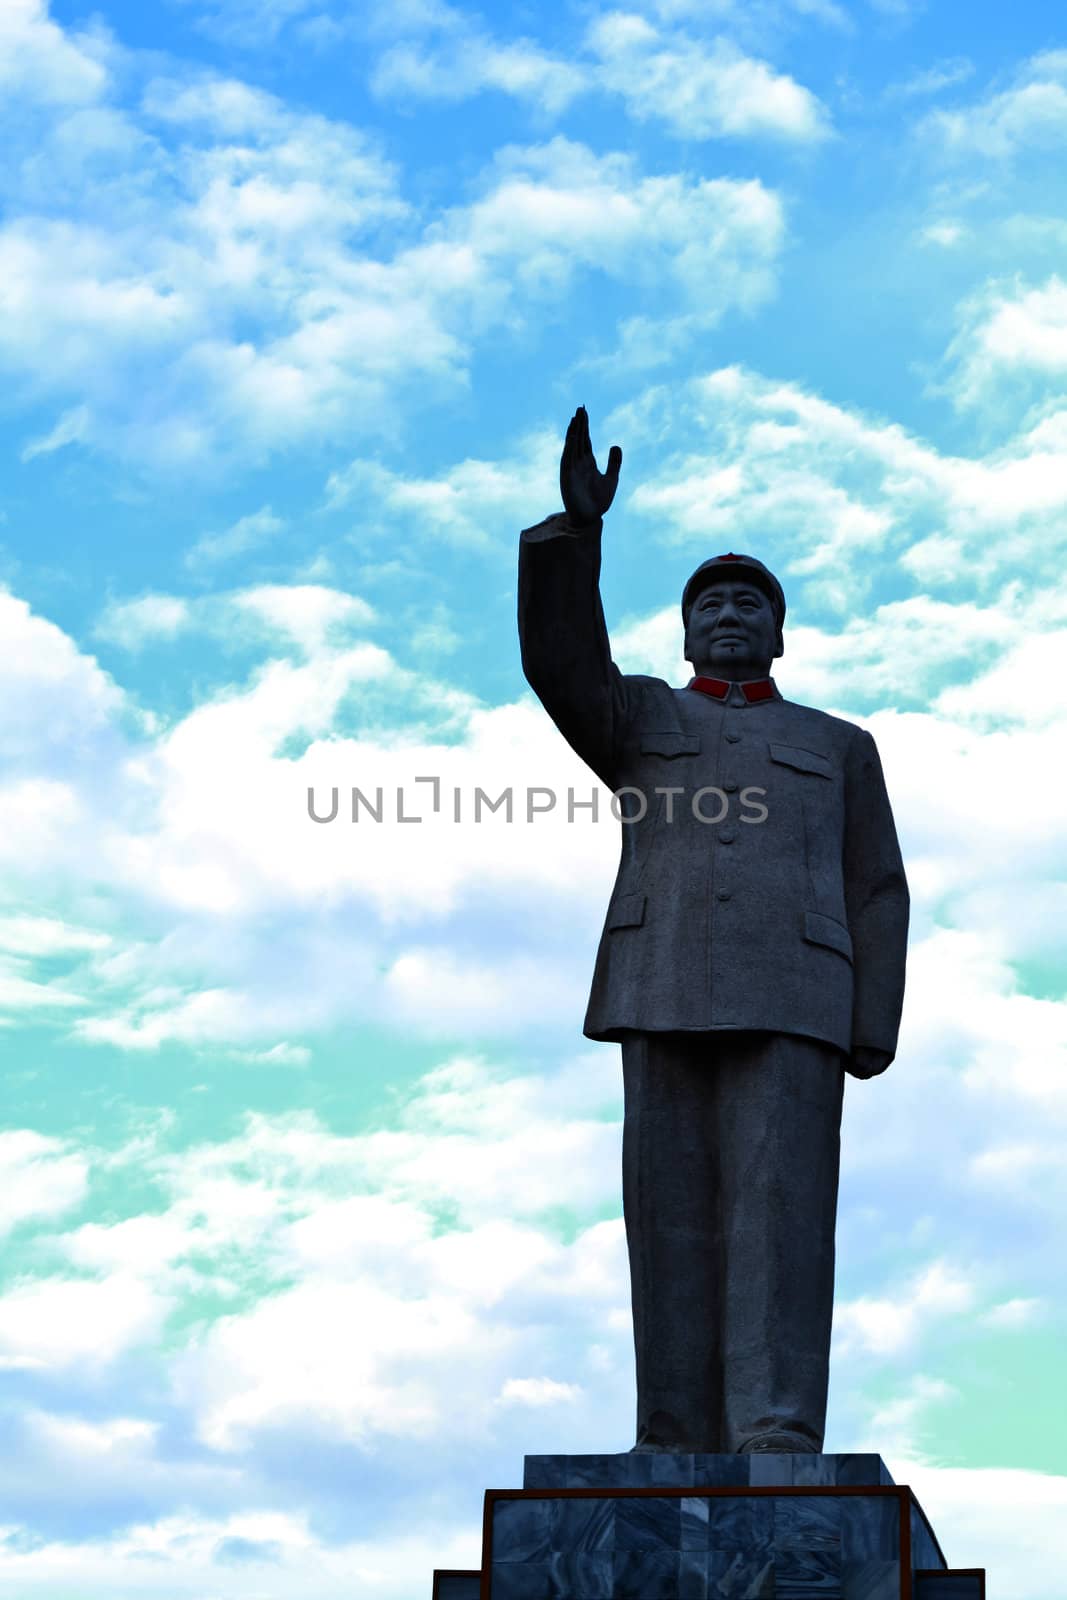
[[752, 955]]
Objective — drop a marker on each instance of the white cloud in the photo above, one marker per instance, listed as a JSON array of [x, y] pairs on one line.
[[437, 990], [766, 17], [243, 1554], [227, 738], [133, 623], [896, 1426], [52, 1324], [1031, 114], [216, 796], [474, 503], [313, 616], [40, 814], [308, 616], [494, 1147], [537, 1392], [474, 62], [95, 1441], [1017, 1313], [19, 993], [55, 699], [700, 91], [1005, 691], [243, 535], [73, 427], [652, 644], [1011, 1522], [1011, 338], [403, 1329], [278, 1055], [47, 936], [558, 206], [932, 80], [374, 1324], [42, 62], [944, 234], [258, 24], [278, 288], [39, 1177], [250, 219], [366, 1364], [749, 459], [889, 1327]]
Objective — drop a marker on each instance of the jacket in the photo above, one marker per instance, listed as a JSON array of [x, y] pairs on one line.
[[767, 891]]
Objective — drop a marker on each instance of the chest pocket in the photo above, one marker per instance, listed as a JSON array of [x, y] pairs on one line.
[[670, 743], [792, 755]]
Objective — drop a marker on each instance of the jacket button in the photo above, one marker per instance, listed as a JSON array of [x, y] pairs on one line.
[[727, 836], [734, 738], [730, 787], [722, 894]]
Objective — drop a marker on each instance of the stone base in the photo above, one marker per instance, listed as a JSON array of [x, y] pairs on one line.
[[660, 1526]]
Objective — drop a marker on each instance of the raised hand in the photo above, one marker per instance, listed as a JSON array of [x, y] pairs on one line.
[[587, 492]]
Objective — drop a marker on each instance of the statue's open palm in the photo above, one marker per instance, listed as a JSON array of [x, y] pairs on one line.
[[587, 492]]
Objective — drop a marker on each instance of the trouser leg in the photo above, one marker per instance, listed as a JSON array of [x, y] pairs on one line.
[[670, 1186], [730, 1169], [778, 1123]]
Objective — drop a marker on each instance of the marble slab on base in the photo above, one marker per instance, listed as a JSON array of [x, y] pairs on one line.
[[639, 1469]]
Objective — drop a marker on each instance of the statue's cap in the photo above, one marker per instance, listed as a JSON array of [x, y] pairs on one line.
[[736, 567]]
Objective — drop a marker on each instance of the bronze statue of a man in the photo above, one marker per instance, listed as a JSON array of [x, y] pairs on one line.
[[753, 953]]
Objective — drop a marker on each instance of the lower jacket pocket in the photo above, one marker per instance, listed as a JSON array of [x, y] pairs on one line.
[[628, 911], [829, 932]]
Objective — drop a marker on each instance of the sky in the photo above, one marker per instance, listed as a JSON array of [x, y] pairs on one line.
[[310, 1197]]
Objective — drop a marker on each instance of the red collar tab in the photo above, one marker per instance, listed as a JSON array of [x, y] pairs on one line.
[[718, 688], [760, 689]]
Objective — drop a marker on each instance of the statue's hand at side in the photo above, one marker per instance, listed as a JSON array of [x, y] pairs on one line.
[[868, 1062], [587, 493]]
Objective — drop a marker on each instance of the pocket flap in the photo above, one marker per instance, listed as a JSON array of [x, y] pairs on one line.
[[828, 931], [791, 755], [628, 911], [672, 742]]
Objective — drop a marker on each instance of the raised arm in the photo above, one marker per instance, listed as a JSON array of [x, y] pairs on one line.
[[565, 651]]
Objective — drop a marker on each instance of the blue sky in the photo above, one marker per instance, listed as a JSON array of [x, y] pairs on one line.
[[310, 1201]]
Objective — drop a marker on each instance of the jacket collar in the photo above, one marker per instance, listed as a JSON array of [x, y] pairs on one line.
[[750, 693]]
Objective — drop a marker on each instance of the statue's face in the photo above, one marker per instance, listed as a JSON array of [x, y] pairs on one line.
[[732, 631]]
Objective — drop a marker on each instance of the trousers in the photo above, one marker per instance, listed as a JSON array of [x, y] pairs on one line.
[[731, 1155]]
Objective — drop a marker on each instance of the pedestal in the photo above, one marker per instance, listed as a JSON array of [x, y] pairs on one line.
[[708, 1527]]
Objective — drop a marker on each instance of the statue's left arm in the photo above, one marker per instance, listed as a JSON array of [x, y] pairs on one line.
[[876, 901]]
